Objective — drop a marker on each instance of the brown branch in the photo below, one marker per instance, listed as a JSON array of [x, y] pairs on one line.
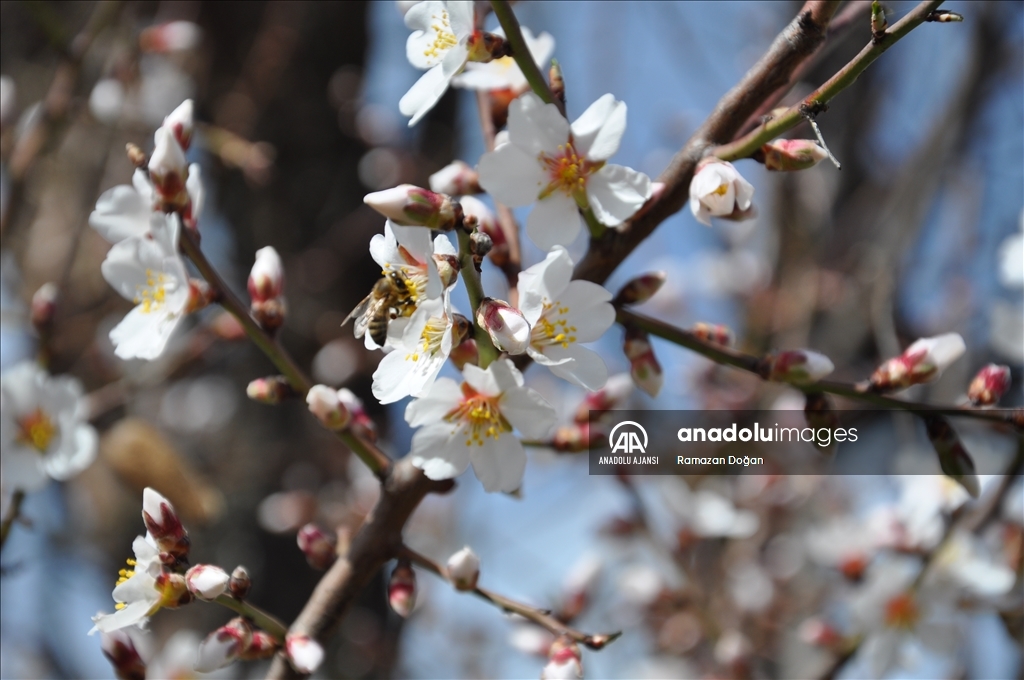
[[13, 512]]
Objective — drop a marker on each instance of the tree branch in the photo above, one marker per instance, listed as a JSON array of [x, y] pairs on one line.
[[521, 53]]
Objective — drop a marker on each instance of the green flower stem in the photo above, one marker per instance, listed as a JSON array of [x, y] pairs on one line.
[[486, 351], [374, 458], [749, 362], [521, 53], [12, 514], [817, 100], [596, 228], [262, 619]]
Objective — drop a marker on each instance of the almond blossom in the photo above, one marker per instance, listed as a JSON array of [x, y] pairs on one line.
[[562, 314], [504, 73], [141, 590], [472, 422], [43, 428], [717, 189], [563, 168]]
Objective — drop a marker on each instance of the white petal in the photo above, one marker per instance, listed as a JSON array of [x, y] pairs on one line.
[[700, 211], [133, 614], [194, 187], [544, 282], [77, 452], [616, 192], [143, 336], [440, 451], [120, 213], [23, 468], [528, 412], [443, 245], [590, 310], [422, 18], [499, 464], [384, 248], [536, 127], [443, 396], [554, 221], [586, 368], [416, 240], [511, 175], [460, 15], [424, 93], [744, 192], [505, 374], [597, 133], [484, 381]]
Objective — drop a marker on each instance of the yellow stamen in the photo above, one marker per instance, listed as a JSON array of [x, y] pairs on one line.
[[37, 430], [153, 295], [552, 328], [444, 38], [568, 173], [479, 415]]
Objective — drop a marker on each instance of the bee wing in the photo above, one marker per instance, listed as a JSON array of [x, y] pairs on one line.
[[359, 314]]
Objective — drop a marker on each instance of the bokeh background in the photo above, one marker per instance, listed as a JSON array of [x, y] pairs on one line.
[[916, 235]]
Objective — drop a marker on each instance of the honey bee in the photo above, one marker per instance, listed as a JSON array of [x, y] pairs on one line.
[[392, 296]]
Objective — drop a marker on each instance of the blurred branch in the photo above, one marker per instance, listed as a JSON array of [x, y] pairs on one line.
[[538, 616], [12, 514], [262, 619], [521, 53]]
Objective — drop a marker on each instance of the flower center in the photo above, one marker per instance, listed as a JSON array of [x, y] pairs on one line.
[[721, 190], [901, 611], [552, 328], [480, 415], [568, 172], [37, 430], [153, 295], [444, 38], [431, 337]]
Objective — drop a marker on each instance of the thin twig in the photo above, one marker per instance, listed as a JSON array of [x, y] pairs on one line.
[[12, 514], [521, 53], [471, 278]]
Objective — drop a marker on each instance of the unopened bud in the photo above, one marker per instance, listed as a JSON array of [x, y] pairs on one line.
[[479, 245], [304, 653], [456, 179], [168, 172], [173, 588], [200, 295], [181, 123], [484, 47], [718, 190], [411, 206], [989, 385], [402, 589], [616, 390], [448, 268], [266, 279], [713, 332], [464, 353], [136, 156], [174, 36], [815, 631], [556, 81], [944, 16], [463, 569], [923, 361], [641, 289], [270, 315], [163, 524], [319, 547], [797, 366], [325, 404], [487, 223], [44, 305], [954, 460], [361, 421], [270, 390], [262, 646], [207, 581], [224, 645], [240, 583], [508, 328], [792, 154], [573, 438], [120, 650], [878, 20], [643, 365], [565, 661]]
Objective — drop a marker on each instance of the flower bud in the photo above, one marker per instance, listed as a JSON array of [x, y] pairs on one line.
[[226, 327], [484, 47], [174, 36], [411, 206], [557, 82], [456, 179], [224, 645], [447, 268], [792, 154], [270, 390], [643, 365], [463, 569], [240, 583], [506, 325], [989, 385], [44, 304], [616, 390], [163, 524], [487, 223], [944, 16], [797, 366], [718, 190], [325, 404], [200, 295], [479, 245], [464, 353], [954, 460], [304, 653], [262, 646], [712, 332], [573, 438], [814, 631], [173, 587], [207, 581], [319, 547], [266, 280], [120, 650], [361, 422], [402, 589], [564, 661], [641, 289], [878, 20], [923, 361], [168, 172], [181, 123]]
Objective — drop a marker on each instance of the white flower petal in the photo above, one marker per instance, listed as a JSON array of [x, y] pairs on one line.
[[499, 463], [511, 175], [585, 367], [536, 127], [554, 221], [143, 336], [590, 310], [598, 132], [440, 451], [121, 213], [422, 18], [78, 452], [485, 382], [616, 192], [23, 468], [460, 16], [443, 396], [544, 281], [528, 412]]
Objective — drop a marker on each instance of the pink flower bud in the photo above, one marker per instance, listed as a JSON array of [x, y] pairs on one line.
[[262, 646], [463, 569], [270, 390], [716, 333], [181, 123], [718, 190], [224, 645], [815, 631], [402, 589], [923, 361], [798, 366], [304, 653], [173, 588], [266, 280], [565, 661], [163, 524], [792, 154], [616, 390], [44, 304], [174, 36], [240, 583], [989, 385], [361, 421], [456, 179], [120, 650], [319, 547], [509, 330], [643, 365], [168, 171], [954, 460], [641, 289], [200, 295], [464, 353], [207, 581], [447, 268], [411, 206], [325, 404]]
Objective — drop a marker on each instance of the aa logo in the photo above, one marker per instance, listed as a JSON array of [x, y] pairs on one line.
[[628, 439]]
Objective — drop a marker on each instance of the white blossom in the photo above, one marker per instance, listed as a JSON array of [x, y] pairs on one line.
[[717, 189], [463, 569], [138, 594], [507, 327], [504, 73], [439, 45]]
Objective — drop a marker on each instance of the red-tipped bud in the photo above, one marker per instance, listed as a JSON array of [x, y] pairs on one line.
[[923, 361], [361, 421], [487, 223], [120, 650], [200, 295], [240, 583], [325, 404], [463, 569], [181, 123], [270, 390], [207, 581], [508, 328], [411, 206], [163, 524], [484, 47], [641, 289], [643, 365], [402, 589], [465, 353], [169, 172], [954, 460], [319, 547], [815, 631], [44, 305], [174, 36], [565, 662], [224, 645], [713, 332], [456, 179], [266, 280], [262, 646], [616, 390], [798, 366], [792, 154], [304, 653], [989, 385]]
